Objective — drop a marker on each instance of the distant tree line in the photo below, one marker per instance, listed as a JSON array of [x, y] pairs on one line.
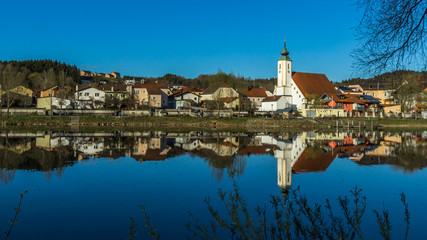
[[203, 81], [43, 73]]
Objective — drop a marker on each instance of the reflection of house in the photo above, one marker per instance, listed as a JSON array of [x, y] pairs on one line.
[[89, 146], [225, 148], [149, 149]]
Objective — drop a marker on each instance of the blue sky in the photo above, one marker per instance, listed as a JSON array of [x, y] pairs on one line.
[[188, 38]]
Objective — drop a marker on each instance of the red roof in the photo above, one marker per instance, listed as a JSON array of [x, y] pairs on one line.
[[271, 99], [313, 84], [257, 92], [152, 87]]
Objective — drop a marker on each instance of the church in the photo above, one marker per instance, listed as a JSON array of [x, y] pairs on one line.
[[299, 88]]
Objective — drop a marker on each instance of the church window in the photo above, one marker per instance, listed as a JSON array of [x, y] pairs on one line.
[[280, 66]]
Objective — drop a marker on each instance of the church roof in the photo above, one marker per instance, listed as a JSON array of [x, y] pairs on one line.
[[313, 84]]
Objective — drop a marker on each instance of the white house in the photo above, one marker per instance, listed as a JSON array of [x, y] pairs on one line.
[[89, 98], [298, 87], [183, 99], [272, 104]]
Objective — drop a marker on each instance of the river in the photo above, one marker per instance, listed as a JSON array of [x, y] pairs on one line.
[[88, 185]]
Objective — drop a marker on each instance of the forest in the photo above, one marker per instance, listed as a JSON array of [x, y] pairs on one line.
[[41, 74]]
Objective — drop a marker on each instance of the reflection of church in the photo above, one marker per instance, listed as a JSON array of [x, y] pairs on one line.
[[287, 152]]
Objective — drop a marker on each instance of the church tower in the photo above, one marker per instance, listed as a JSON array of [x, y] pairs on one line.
[[284, 73]]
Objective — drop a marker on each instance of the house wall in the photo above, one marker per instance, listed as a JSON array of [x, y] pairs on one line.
[[88, 97], [48, 93], [324, 112], [268, 106], [393, 109], [256, 101], [158, 100], [141, 95], [221, 92], [385, 96]]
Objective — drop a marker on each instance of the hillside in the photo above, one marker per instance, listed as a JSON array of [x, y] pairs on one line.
[[44, 73]]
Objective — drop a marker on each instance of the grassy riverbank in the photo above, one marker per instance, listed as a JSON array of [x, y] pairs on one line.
[[200, 124], [160, 123]]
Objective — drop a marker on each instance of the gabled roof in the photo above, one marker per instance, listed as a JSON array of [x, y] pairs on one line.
[[36, 92], [85, 88], [313, 83], [186, 90], [228, 99], [116, 87], [152, 87], [243, 91], [212, 89], [258, 92], [271, 99]]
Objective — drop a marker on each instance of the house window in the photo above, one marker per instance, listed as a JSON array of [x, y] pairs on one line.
[[154, 98], [80, 94], [86, 94], [96, 94], [136, 91]]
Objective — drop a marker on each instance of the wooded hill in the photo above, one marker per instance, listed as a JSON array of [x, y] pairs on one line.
[[388, 81], [203, 81], [43, 73]]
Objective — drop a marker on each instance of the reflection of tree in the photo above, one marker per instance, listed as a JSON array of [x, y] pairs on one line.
[[410, 156], [235, 165], [34, 159], [407, 156], [7, 176]]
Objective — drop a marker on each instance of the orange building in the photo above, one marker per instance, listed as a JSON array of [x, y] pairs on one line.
[[50, 92]]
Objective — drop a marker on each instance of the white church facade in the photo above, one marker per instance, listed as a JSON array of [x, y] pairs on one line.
[[297, 87]]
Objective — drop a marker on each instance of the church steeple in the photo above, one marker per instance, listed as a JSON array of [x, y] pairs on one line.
[[284, 53], [284, 73]]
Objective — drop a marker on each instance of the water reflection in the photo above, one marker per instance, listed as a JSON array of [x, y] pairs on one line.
[[225, 153]]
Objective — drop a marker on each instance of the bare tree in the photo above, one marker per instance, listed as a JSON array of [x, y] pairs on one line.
[[46, 79], [10, 79], [406, 93], [392, 35]]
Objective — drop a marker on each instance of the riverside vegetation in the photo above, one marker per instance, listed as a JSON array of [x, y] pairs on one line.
[[292, 217]]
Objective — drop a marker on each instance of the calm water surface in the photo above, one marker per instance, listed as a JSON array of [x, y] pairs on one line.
[[87, 185]]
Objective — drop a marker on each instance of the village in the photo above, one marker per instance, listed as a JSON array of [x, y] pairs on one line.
[[296, 94]]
